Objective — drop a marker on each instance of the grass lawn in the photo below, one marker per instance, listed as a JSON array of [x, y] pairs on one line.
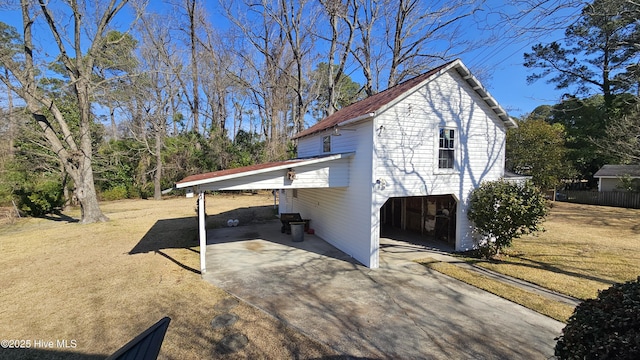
[[102, 284], [584, 249]]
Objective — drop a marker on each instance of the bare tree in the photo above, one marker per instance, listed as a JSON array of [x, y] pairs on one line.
[[414, 34], [268, 67], [342, 23], [189, 24], [528, 20], [217, 67], [192, 15], [159, 56], [412, 29], [72, 145], [296, 19], [368, 15]]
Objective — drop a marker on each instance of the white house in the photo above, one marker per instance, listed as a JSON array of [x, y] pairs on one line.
[[407, 157], [610, 176]]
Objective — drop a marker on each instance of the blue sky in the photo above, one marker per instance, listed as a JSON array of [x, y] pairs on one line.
[[506, 77], [501, 61], [507, 82]]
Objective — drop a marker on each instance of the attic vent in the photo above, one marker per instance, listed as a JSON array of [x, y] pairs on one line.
[[291, 174], [326, 143]]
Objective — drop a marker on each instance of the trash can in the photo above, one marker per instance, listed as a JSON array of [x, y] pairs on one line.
[[297, 231]]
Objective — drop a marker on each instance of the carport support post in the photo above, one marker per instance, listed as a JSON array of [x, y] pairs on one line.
[[202, 231]]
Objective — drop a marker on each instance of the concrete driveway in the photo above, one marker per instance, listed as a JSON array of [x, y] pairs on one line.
[[401, 310]]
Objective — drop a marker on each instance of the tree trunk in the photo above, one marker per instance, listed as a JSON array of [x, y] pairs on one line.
[[87, 197], [65, 188], [157, 189], [336, 10], [72, 146], [76, 159], [363, 52], [11, 118], [114, 126], [85, 187], [191, 11]]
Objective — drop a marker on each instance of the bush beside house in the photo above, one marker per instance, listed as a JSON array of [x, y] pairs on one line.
[[501, 211]]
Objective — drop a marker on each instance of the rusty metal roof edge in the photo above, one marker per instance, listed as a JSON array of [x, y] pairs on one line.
[[285, 164]]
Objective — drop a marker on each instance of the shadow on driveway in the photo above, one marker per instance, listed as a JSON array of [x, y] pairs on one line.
[[401, 310], [182, 233]]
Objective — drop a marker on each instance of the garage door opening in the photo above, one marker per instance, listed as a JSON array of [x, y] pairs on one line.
[[420, 219]]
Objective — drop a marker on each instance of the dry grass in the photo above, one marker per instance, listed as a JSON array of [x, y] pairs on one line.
[[102, 284], [584, 249], [554, 309]]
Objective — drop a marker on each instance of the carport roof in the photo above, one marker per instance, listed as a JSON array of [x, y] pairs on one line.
[[215, 176]]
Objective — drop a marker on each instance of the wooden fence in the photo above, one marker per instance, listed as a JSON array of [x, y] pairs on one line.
[[606, 198]]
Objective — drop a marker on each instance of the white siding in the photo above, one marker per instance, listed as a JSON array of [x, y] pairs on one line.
[[400, 148], [342, 216], [346, 142], [406, 147], [333, 173], [609, 184]]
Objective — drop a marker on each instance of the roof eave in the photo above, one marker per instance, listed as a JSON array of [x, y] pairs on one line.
[[615, 176], [341, 124], [195, 183], [484, 94]]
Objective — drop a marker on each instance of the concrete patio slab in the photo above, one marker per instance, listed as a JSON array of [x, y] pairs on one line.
[[401, 310]]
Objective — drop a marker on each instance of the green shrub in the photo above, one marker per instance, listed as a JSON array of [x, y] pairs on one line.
[[501, 211], [607, 327], [147, 191], [115, 193], [40, 198]]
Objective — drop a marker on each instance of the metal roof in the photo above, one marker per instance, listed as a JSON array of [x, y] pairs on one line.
[[215, 176], [377, 103]]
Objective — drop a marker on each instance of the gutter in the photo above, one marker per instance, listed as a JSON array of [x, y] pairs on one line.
[[285, 165], [356, 119], [341, 124]]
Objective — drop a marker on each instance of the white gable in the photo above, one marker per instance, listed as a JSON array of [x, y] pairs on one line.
[[396, 155], [407, 140]]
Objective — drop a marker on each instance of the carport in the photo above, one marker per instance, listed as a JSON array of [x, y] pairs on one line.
[[330, 171]]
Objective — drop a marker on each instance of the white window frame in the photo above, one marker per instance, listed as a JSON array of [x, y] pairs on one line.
[[449, 144], [326, 144]]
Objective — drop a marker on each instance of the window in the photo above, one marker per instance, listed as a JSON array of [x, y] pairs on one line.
[[446, 152], [326, 143]]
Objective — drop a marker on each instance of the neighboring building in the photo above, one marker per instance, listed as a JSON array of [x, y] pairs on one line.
[[405, 158], [516, 178], [609, 176]]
